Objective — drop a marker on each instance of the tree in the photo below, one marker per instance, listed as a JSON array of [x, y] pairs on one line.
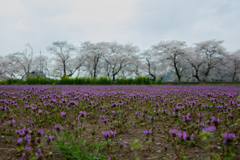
[[4, 66], [117, 56], [62, 50], [155, 65], [40, 64], [213, 53], [232, 64], [94, 54], [196, 61], [22, 61], [173, 51], [135, 66], [75, 64]]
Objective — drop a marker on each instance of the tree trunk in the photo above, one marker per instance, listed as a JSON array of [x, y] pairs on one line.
[[178, 75], [233, 77], [113, 77], [64, 69]]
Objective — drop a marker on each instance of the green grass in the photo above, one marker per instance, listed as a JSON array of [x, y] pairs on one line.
[[74, 147]]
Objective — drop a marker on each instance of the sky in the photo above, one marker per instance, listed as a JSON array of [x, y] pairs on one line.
[[141, 22]]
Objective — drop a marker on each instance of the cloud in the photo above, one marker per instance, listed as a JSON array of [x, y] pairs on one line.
[[141, 22], [42, 22], [190, 20]]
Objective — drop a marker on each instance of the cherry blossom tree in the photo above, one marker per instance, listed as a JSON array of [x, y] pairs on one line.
[[195, 61], [4, 65], [94, 56], [63, 52], [213, 53], [135, 66], [232, 64], [117, 56], [154, 64], [22, 61], [173, 51], [41, 64]]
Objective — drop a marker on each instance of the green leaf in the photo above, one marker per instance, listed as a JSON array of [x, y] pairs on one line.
[[216, 156]]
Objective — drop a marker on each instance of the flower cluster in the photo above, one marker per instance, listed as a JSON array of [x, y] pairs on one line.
[[182, 135], [49, 138], [109, 134], [209, 129], [147, 132], [228, 137]]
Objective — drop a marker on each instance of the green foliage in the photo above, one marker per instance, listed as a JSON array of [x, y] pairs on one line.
[[146, 80], [120, 80], [139, 80], [38, 80], [104, 80], [205, 136], [129, 81], [159, 81], [77, 148], [136, 145], [11, 81]]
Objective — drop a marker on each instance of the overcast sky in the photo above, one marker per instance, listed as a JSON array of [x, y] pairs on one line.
[[140, 22]]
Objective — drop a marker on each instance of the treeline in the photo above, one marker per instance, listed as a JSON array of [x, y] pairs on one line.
[[139, 80], [168, 60]]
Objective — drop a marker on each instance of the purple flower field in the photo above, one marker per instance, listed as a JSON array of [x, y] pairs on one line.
[[121, 122]]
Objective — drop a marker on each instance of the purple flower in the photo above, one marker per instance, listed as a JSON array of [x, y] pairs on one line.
[[179, 134], [202, 125], [39, 153], [106, 134], [11, 122], [63, 113], [19, 140], [192, 136], [40, 131], [123, 144], [166, 147], [50, 137], [213, 119], [145, 131], [184, 135], [27, 148], [40, 111], [83, 113], [150, 131], [109, 158], [56, 127], [23, 154], [113, 133], [27, 138], [228, 137], [209, 129], [173, 131]]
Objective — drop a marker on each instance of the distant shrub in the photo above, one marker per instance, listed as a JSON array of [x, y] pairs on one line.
[[146, 80], [120, 80], [104, 80], [129, 81], [159, 81], [139, 80]]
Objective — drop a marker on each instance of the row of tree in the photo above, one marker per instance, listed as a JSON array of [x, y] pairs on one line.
[[169, 60]]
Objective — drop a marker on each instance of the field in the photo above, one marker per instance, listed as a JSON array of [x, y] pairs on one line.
[[119, 122]]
